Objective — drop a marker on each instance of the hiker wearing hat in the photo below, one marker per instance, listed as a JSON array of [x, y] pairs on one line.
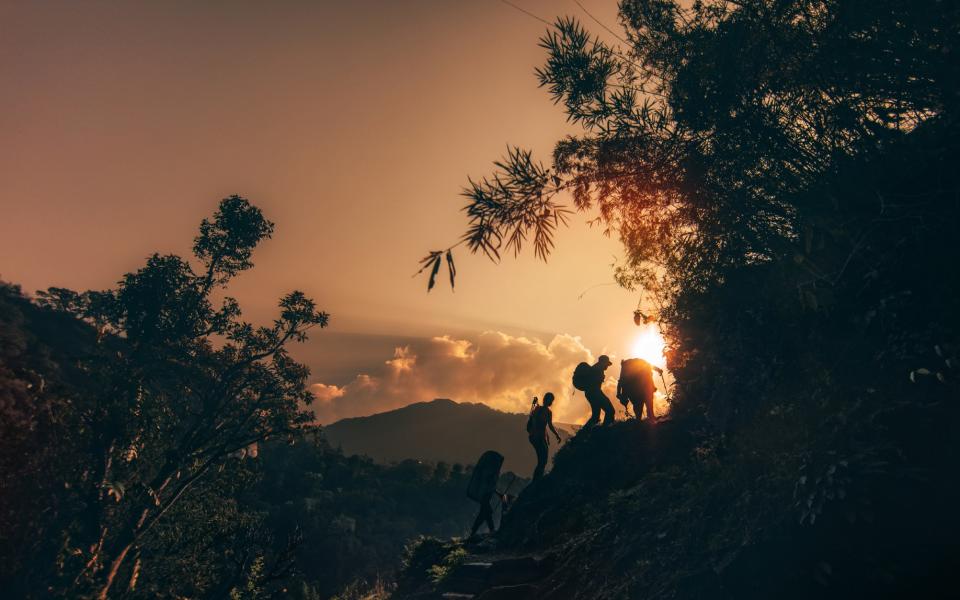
[[589, 380]]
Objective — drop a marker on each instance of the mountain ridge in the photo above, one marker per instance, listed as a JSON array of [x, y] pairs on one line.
[[439, 430]]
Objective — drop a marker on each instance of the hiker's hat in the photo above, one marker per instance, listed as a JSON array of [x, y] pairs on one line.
[[604, 359]]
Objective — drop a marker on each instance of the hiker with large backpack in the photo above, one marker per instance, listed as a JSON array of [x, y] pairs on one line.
[[636, 386], [589, 379], [482, 485], [541, 417]]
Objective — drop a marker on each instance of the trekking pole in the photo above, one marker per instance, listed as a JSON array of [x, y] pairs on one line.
[[512, 481], [504, 494], [666, 390]]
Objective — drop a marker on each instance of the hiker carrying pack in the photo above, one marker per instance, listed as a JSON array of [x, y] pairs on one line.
[[483, 483], [589, 379], [533, 409], [540, 419], [636, 386], [582, 376]]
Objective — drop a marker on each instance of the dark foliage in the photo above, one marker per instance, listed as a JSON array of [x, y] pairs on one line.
[[784, 178], [127, 409], [152, 445], [354, 516]]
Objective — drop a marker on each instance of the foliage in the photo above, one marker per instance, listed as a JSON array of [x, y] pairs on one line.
[[378, 590], [164, 393], [427, 561], [783, 176], [102, 393], [701, 132], [38, 441], [355, 516], [452, 560]]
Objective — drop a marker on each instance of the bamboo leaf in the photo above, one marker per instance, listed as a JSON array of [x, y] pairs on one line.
[[433, 272], [451, 268]]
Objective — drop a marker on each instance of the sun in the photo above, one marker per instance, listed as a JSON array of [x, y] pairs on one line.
[[649, 345]]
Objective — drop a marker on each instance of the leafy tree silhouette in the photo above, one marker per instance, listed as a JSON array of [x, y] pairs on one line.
[[702, 125], [784, 179], [183, 384]]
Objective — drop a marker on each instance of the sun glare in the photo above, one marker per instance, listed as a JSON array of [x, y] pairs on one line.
[[649, 346]]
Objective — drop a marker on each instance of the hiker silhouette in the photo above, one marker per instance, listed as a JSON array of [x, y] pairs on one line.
[[541, 417], [483, 482], [589, 379], [636, 386]]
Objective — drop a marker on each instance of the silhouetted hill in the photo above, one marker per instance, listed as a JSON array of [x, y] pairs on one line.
[[439, 430]]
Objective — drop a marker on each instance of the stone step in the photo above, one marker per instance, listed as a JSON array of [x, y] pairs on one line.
[[515, 571], [523, 591], [505, 578], [468, 578]]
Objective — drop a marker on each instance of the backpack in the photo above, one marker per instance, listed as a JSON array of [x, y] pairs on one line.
[[582, 376], [483, 480], [533, 411], [537, 421], [636, 376]]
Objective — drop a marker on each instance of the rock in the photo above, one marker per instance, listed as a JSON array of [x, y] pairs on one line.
[[513, 571], [524, 591], [468, 578]]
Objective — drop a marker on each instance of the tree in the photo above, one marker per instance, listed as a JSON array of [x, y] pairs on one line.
[[743, 145], [176, 386], [784, 177], [701, 131]]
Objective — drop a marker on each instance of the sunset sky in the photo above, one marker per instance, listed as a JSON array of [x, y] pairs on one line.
[[354, 126]]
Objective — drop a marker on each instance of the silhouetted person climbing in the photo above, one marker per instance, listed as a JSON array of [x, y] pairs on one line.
[[589, 379], [484, 516], [541, 417], [483, 483], [636, 386]]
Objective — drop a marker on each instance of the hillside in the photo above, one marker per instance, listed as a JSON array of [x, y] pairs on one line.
[[669, 514], [441, 430], [815, 459]]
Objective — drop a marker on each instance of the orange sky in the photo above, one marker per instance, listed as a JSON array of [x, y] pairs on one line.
[[353, 125]]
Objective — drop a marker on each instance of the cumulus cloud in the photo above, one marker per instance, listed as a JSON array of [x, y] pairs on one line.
[[497, 369]]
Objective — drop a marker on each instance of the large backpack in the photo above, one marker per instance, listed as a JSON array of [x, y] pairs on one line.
[[483, 481], [582, 376], [636, 375]]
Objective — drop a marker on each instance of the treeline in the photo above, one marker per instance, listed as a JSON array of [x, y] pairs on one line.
[[153, 444], [354, 517]]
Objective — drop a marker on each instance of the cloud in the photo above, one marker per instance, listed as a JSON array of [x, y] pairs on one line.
[[497, 369], [326, 393]]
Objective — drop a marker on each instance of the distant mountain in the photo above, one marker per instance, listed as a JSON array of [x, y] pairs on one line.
[[440, 430]]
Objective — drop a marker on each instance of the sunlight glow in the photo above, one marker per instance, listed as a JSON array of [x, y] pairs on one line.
[[649, 345]]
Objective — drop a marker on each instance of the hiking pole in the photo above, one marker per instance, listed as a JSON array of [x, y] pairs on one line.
[[503, 498], [512, 481], [665, 389]]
